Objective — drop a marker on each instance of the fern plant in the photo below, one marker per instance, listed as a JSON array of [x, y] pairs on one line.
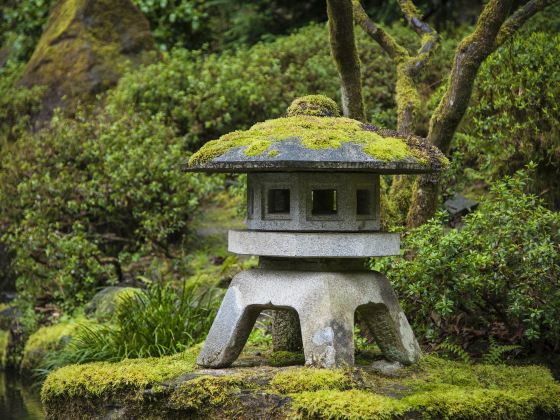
[[457, 350], [496, 352], [493, 356]]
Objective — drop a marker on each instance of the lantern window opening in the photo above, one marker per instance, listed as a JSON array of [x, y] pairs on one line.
[[363, 202], [278, 201], [324, 202]]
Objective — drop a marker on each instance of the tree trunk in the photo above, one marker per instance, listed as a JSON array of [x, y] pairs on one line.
[[286, 331], [345, 53], [470, 54]]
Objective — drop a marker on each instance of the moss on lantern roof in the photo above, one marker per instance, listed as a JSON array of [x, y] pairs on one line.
[[309, 122], [317, 105]]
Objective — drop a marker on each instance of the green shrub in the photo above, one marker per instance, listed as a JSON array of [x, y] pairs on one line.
[[155, 322], [496, 276], [17, 104], [87, 198], [21, 25], [515, 116], [207, 95]]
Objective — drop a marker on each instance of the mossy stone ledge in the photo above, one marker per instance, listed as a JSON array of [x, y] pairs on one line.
[[314, 137], [173, 387]]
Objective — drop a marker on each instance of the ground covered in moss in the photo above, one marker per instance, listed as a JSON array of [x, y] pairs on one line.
[[173, 387]]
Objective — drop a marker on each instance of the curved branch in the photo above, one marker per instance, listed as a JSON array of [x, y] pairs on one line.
[[385, 41], [345, 53], [471, 52], [521, 16], [408, 66]]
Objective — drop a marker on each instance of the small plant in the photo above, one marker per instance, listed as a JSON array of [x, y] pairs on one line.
[[456, 350], [156, 322], [495, 353], [493, 356]]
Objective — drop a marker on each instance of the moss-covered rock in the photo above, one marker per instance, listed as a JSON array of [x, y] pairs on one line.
[[106, 302], [44, 340], [172, 387], [84, 49]]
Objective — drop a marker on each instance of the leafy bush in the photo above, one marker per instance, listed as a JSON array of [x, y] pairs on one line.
[[17, 104], [515, 116], [496, 276], [223, 23], [207, 95], [87, 199], [155, 322], [21, 25]]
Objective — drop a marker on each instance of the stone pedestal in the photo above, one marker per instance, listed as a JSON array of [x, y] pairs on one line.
[[325, 301]]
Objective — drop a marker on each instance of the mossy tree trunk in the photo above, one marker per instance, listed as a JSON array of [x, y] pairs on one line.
[[345, 53], [494, 26]]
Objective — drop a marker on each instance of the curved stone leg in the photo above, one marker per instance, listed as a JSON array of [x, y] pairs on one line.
[[389, 326], [229, 332]]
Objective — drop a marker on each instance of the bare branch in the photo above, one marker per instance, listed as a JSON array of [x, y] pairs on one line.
[[414, 17], [521, 16], [385, 41], [408, 66], [471, 52], [344, 51]]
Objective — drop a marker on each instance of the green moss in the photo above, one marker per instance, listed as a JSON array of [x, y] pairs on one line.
[[351, 404], [4, 341], [407, 95], [388, 148], [433, 388], [315, 133], [106, 379], [205, 393], [308, 379], [314, 105], [44, 340], [448, 402], [286, 358], [85, 47]]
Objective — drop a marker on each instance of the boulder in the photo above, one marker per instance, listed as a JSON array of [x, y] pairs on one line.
[[46, 339], [85, 48], [105, 303]]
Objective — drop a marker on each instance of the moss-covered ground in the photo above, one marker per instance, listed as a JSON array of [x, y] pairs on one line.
[[173, 387]]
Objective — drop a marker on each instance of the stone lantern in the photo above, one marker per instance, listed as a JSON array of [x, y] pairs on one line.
[[313, 218]]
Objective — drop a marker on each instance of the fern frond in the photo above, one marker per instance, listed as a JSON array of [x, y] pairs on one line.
[[457, 350]]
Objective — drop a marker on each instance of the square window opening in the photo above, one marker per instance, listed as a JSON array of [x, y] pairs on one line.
[[363, 202], [278, 201], [324, 202]]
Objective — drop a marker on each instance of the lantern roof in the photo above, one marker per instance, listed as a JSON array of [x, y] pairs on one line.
[[314, 137]]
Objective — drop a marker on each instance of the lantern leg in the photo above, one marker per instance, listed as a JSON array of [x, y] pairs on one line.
[[229, 332], [387, 323], [328, 337]]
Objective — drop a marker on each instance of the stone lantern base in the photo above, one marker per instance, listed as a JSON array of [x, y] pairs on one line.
[[326, 302]]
